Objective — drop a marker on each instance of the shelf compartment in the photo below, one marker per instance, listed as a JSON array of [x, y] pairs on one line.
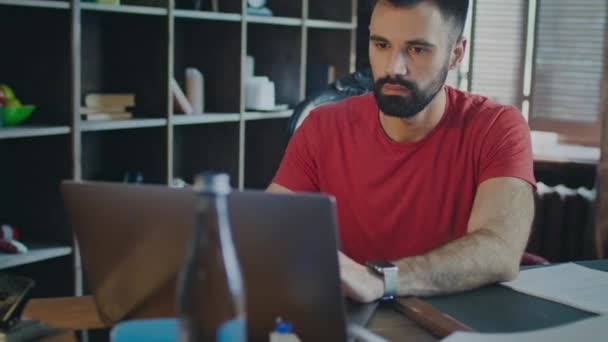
[[206, 148], [329, 53], [205, 45], [125, 9], [205, 118], [108, 125], [284, 8], [126, 54], [36, 252], [29, 179], [205, 15], [39, 73], [340, 10], [31, 131], [36, 4], [265, 145], [225, 6], [109, 155], [280, 65]]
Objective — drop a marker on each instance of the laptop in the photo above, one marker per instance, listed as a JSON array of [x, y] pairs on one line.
[[132, 240]]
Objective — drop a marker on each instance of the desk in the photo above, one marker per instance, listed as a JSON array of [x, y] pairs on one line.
[[75, 313], [490, 309]]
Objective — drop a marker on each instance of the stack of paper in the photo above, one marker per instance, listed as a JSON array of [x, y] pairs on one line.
[[589, 330], [570, 284]]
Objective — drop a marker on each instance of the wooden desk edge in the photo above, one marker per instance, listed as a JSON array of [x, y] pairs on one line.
[[430, 318], [71, 313], [77, 313]]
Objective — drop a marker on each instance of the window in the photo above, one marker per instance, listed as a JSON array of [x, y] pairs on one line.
[[499, 50], [545, 57], [568, 66]]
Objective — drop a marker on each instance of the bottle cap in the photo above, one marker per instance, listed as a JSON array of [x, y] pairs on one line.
[[214, 182], [283, 327]]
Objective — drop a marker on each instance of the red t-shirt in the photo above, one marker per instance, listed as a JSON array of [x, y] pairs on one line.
[[402, 199]]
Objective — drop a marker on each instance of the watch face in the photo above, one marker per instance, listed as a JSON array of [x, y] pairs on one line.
[[256, 3]]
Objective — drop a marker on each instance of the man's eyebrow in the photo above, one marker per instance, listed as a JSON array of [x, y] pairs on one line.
[[420, 42], [378, 38]]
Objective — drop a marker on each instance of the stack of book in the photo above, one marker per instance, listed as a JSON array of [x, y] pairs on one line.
[[108, 107]]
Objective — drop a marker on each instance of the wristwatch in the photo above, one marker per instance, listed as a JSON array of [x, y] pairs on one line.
[[389, 273]]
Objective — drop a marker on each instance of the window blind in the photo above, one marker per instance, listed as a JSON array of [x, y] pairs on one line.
[[499, 42], [570, 38]]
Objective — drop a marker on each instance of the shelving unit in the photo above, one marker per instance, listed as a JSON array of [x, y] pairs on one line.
[[78, 48]]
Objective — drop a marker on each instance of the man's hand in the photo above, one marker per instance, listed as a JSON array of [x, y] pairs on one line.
[[358, 282]]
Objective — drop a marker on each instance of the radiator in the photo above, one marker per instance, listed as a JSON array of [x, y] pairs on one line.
[[563, 228]]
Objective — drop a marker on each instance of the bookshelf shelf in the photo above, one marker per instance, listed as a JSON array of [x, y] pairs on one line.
[[37, 252], [27, 132], [252, 116], [280, 21], [206, 118], [36, 3], [205, 15], [141, 10], [89, 48], [327, 24], [109, 125]]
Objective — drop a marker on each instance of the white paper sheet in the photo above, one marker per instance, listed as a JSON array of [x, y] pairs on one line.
[[570, 284], [593, 329]]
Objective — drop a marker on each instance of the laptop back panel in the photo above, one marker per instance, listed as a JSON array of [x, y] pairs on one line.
[[132, 241]]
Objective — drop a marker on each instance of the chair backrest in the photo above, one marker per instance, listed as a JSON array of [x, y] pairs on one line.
[[357, 83]]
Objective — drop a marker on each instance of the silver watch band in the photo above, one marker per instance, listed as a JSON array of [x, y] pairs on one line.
[[391, 280], [390, 276]]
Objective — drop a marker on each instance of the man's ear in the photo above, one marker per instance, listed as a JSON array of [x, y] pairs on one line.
[[458, 52]]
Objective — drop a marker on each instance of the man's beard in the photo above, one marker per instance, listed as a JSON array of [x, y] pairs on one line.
[[408, 106]]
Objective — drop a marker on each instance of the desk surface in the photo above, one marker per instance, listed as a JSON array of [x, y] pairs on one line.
[[489, 309], [75, 313], [497, 308]]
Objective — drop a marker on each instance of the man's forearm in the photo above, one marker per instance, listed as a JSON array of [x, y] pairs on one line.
[[474, 260]]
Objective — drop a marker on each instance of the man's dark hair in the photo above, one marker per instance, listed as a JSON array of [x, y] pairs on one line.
[[454, 11]]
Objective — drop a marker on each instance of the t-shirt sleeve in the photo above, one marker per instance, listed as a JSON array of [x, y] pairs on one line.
[[299, 168], [507, 148]]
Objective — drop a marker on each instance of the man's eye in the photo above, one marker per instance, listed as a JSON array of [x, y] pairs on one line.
[[418, 50], [381, 45]]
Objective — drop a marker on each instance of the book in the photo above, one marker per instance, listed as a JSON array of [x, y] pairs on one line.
[[108, 109], [106, 116], [96, 100]]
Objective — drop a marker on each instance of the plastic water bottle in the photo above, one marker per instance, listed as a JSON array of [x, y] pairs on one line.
[[211, 299]]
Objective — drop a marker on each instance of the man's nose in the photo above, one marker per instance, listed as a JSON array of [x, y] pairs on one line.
[[398, 64]]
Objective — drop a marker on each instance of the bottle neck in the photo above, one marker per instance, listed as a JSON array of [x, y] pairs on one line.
[[218, 210]]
